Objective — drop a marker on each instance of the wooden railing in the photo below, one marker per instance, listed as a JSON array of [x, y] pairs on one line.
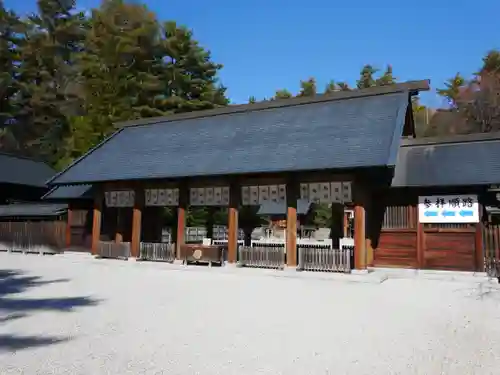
[[324, 258], [111, 249], [491, 248], [33, 236], [163, 252], [262, 255], [399, 217]]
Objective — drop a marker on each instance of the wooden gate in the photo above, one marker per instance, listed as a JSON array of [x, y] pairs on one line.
[[404, 242], [491, 245]]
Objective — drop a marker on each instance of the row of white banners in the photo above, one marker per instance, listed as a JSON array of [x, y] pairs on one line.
[[431, 209], [324, 192]]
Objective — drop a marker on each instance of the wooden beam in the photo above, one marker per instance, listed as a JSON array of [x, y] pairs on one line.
[[181, 217], [96, 222], [292, 193], [232, 222], [69, 221], [135, 242]]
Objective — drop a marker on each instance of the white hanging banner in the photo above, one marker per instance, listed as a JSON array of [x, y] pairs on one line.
[[209, 196], [120, 198], [161, 197]]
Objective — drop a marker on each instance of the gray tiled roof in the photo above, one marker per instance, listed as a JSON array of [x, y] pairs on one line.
[[23, 171], [453, 161], [277, 208], [66, 192], [32, 210], [349, 133]]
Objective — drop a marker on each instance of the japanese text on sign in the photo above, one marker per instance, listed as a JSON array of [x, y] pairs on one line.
[[448, 209]]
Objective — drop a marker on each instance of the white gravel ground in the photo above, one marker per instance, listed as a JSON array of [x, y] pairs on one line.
[[148, 319]]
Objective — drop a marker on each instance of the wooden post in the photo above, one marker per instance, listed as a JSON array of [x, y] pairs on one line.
[[359, 237], [135, 242], [420, 239], [68, 226], [291, 223], [479, 241], [232, 223], [96, 223], [181, 217]]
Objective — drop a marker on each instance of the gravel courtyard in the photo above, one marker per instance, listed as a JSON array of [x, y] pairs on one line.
[[74, 315]]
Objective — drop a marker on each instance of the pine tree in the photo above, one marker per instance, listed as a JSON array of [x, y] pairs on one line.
[[387, 78], [308, 87], [190, 73], [453, 87], [343, 86], [10, 27], [366, 78], [282, 94], [48, 75], [252, 100], [331, 87]]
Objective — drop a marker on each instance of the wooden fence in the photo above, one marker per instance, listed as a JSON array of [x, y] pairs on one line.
[[159, 252], [33, 235], [324, 258], [491, 247], [262, 255]]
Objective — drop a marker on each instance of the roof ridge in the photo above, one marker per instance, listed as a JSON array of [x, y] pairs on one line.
[[413, 87]]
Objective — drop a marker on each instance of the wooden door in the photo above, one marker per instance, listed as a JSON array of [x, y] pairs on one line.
[[448, 247]]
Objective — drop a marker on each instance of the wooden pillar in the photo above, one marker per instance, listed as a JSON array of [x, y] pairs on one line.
[[291, 223], [181, 217], [479, 249], [360, 198], [135, 242], [420, 239], [69, 220], [96, 223], [359, 237], [232, 222]]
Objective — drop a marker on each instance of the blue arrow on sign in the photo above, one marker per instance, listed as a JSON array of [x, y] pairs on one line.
[[430, 213], [448, 213], [466, 213]]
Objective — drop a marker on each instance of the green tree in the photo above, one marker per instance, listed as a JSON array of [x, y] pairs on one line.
[[387, 78], [491, 63], [452, 89], [10, 28], [308, 87], [343, 86], [331, 87], [48, 75], [252, 100], [190, 73], [282, 94], [366, 78]]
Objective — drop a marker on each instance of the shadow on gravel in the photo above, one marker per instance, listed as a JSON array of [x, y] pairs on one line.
[[13, 308]]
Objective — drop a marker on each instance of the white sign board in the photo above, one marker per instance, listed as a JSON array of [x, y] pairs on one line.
[[448, 209]]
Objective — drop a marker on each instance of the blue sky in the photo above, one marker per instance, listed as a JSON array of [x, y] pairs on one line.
[[269, 45]]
